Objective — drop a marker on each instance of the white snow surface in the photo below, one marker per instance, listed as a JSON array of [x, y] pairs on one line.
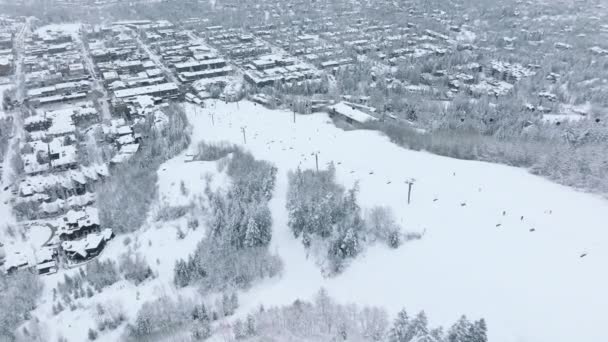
[[65, 28], [530, 286], [466, 36]]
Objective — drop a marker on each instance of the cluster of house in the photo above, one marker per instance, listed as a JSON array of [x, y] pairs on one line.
[[338, 35], [329, 36], [44, 260], [8, 28], [54, 72], [126, 69], [309, 46], [63, 204], [56, 192], [260, 63], [120, 134], [204, 60], [268, 70], [189, 58], [6, 52], [76, 238], [237, 45], [51, 139]]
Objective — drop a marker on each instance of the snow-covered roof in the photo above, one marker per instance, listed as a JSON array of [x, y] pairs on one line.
[[200, 63], [146, 90], [46, 265], [107, 234], [144, 101], [93, 241], [351, 112], [82, 200], [45, 254], [75, 247], [53, 207], [125, 140], [39, 184], [16, 260], [124, 130], [73, 216]]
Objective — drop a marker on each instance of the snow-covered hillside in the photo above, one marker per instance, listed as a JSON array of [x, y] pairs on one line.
[[157, 242], [524, 253]]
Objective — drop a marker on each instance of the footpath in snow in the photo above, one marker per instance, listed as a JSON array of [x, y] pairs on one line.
[[498, 242]]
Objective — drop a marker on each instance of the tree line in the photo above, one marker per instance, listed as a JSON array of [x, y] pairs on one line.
[[323, 213], [235, 250], [125, 197], [325, 319]]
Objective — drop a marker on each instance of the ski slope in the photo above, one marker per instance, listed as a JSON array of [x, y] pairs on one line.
[[530, 286]]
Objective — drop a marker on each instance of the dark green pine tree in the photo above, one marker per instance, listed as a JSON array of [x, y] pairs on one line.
[[400, 330], [181, 272], [479, 331], [419, 326], [250, 326], [461, 331]]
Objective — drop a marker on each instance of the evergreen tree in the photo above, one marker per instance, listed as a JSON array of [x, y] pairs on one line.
[[479, 331], [263, 217], [250, 328], [252, 234], [394, 239], [239, 329], [401, 328], [202, 327], [199, 313], [181, 272], [436, 335], [461, 331], [205, 328], [229, 303], [234, 302], [419, 325], [92, 334], [324, 304]]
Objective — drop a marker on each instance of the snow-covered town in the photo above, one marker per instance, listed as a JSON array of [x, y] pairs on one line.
[[300, 170]]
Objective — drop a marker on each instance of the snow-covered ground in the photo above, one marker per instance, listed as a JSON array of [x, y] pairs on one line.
[[156, 242], [67, 28], [498, 242], [466, 36]]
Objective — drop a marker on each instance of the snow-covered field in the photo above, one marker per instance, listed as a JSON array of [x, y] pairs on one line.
[[498, 242]]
